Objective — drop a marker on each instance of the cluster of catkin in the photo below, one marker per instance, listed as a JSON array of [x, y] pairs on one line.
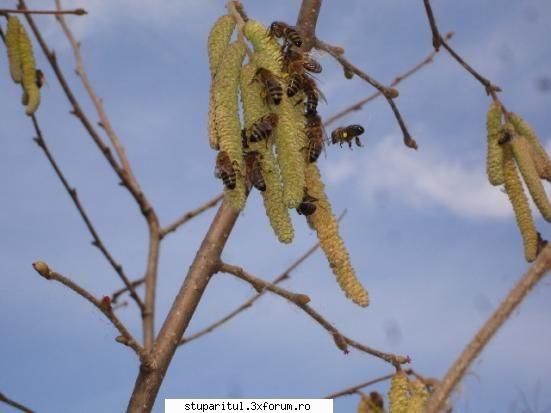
[[278, 165], [22, 64], [513, 146]]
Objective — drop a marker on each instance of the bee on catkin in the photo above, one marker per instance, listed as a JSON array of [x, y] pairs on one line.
[[373, 403], [254, 108], [327, 228], [523, 215], [398, 395], [539, 154], [494, 158], [419, 397], [12, 45], [228, 125]]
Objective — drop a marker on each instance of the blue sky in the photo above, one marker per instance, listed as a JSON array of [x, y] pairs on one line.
[[434, 243]]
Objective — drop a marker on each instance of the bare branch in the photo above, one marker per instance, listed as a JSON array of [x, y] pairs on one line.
[[15, 404], [307, 21], [360, 104], [115, 296], [352, 390], [104, 305], [190, 215], [97, 241], [534, 274], [388, 92], [435, 34], [301, 301], [76, 12]]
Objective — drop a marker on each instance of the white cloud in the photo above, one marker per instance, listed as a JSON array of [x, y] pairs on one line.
[[424, 178]]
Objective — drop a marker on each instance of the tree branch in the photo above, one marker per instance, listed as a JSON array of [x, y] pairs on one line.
[[97, 242], [359, 105], [434, 29], [15, 404], [307, 21], [534, 274], [388, 92], [104, 305], [190, 215], [301, 301], [115, 295], [76, 12], [352, 390]]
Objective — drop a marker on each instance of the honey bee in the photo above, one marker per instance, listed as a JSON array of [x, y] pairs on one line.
[[312, 93], [297, 62], [254, 170], [261, 129], [289, 33], [225, 169], [316, 136], [347, 134], [273, 89], [307, 206], [40, 78]]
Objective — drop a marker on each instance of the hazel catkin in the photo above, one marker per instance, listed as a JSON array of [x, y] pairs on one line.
[[494, 158], [12, 45], [327, 228], [398, 395], [419, 397], [28, 69], [228, 125]]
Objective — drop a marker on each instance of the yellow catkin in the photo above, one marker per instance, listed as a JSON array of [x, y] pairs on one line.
[[515, 191], [419, 397], [398, 395], [28, 68], [523, 157], [541, 158], [254, 108], [228, 125], [218, 41], [327, 228], [494, 159], [12, 44], [289, 133], [367, 405]]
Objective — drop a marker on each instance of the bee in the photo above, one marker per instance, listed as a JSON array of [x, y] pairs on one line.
[[273, 89], [307, 206], [297, 62], [347, 134], [225, 169], [40, 78], [289, 33], [316, 136], [254, 170], [312, 93], [295, 84], [261, 129]]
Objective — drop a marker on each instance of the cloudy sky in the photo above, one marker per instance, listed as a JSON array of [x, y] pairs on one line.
[[434, 243]]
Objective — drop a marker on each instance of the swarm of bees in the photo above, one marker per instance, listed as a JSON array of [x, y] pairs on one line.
[[282, 136]]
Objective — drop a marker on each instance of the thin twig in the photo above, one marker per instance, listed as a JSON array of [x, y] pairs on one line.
[[359, 104], [97, 241], [76, 12], [103, 305], [388, 92], [301, 301], [15, 404], [434, 29], [136, 283], [529, 280], [285, 275], [190, 215], [352, 390]]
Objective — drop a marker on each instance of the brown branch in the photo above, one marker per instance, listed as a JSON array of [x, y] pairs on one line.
[[76, 12], [115, 295], [204, 265], [388, 92], [97, 241], [301, 301], [190, 215], [435, 34], [307, 21], [534, 274], [103, 305], [352, 390], [15, 404], [285, 275], [359, 104]]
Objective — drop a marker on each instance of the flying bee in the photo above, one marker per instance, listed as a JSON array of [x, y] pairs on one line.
[[307, 206], [288, 33], [261, 129], [316, 136], [273, 90], [254, 171], [312, 93], [347, 134], [225, 169]]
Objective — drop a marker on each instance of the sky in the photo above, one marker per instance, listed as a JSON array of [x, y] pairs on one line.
[[434, 243]]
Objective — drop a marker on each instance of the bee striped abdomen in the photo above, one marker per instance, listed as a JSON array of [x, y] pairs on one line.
[[294, 85], [225, 170], [254, 170], [262, 129], [307, 206]]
